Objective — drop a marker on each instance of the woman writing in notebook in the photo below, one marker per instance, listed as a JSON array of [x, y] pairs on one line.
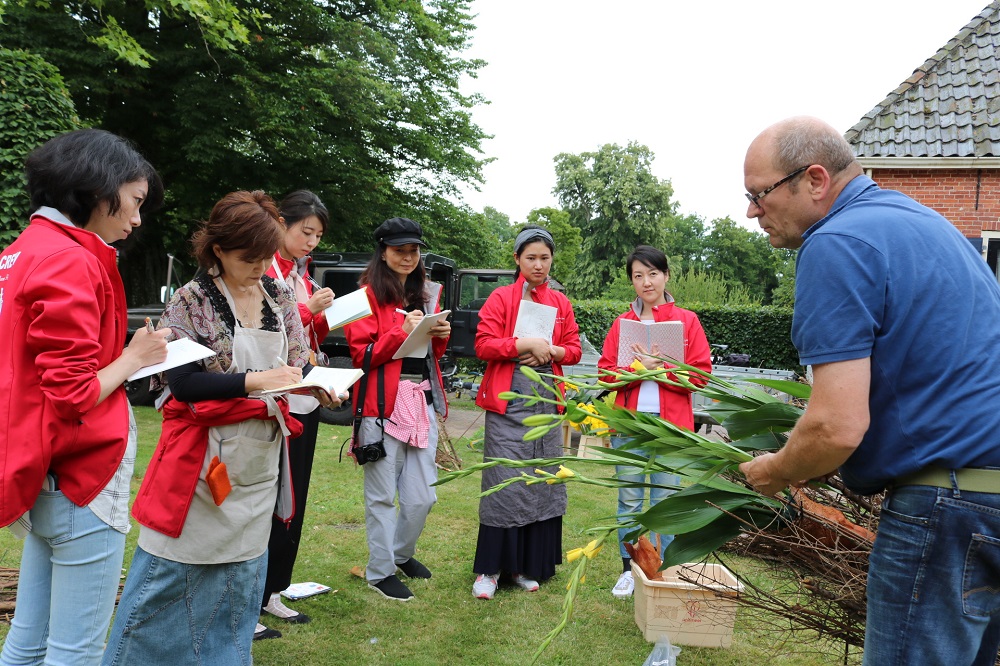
[[399, 405], [205, 504], [520, 527], [305, 220], [647, 268], [67, 437]]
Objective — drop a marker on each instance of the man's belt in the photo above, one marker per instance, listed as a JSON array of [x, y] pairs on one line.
[[970, 479]]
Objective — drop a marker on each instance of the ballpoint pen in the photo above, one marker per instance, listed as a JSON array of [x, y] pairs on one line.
[[313, 282], [149, 326]]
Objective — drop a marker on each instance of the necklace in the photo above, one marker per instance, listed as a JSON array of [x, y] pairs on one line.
[[247, 306]]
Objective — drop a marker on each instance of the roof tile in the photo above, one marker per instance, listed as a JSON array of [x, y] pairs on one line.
[[948, 107]]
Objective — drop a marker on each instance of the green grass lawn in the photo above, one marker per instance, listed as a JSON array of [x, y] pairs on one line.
[[444, 624]]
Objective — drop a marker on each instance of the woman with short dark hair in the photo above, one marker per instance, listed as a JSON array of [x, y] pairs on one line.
[[649, 273], [205, 505], [67, 437]]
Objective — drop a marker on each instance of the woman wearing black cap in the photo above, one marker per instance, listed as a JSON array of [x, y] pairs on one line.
[[399, 405], [520, 527]]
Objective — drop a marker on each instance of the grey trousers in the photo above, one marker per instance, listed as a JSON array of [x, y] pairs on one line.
[[405, 473]]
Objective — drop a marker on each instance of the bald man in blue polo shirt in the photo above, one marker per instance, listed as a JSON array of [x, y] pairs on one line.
[[899, 317]]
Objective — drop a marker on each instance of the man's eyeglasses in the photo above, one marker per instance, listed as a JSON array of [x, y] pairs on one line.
[[763, 193]]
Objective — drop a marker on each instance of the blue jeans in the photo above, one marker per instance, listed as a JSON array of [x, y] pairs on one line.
[[631, 500], [934, 579], [67, 586], [194, 614]]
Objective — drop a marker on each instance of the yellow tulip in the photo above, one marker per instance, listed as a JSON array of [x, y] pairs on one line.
[[574, 555]]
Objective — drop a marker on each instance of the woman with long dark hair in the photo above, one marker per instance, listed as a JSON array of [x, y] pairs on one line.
[[400, 404], [520, 527], [67, 437]]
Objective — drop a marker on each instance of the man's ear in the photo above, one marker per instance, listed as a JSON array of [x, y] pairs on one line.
[[818, 180]]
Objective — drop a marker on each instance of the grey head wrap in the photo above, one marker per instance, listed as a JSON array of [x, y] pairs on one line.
[[529, 235]]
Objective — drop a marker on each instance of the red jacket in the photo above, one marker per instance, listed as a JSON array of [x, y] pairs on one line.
[[496, 345], [675, 402], [320, 327], [174, 472], [62, 318], [385, 328]]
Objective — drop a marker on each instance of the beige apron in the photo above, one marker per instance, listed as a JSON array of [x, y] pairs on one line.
[[239, 528]]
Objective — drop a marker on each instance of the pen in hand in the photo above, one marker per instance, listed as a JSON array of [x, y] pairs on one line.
[[149, 326], [313, 282]]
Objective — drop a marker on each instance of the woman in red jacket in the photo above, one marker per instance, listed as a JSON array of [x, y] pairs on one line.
[[648, 269], [67, 438], [520, 527], [399, 405], [305, 219]]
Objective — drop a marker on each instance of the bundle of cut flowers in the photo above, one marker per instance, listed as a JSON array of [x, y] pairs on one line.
[[713, 505]]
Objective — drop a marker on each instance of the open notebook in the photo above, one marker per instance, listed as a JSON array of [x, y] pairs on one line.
[[668, 336]]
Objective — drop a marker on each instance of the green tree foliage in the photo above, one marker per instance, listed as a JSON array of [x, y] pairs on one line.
[[565, 237], [616, 202], [494, 230], [684, 238], [784, 294], [34, 107], [355, 100], [741, 256], [222, 24]]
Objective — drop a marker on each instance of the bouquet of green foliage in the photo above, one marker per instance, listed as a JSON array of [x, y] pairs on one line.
[[712, 505]]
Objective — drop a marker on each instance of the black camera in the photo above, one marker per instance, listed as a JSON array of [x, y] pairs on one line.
[[367, 453]]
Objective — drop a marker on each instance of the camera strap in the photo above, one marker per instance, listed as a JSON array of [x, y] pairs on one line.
[[359, 397]]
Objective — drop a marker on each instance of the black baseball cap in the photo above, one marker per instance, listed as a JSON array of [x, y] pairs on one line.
[[399, 231]]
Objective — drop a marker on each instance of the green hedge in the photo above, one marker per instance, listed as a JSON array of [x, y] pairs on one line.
[[764, 332]]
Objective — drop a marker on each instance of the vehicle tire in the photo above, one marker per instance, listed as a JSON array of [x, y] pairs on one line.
[[139, 393], [341, 416]]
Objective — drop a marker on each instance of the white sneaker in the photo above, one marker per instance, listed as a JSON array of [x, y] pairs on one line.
[[526, 583], [485, 586], [624, 587]]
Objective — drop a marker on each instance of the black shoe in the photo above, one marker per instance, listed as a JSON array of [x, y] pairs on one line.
[[392, 588], [414, 569], [266, 633]]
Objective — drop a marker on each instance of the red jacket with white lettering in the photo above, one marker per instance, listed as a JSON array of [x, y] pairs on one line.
[[496, 344], [62, 318]]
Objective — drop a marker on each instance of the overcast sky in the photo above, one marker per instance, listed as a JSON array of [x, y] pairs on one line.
[[693, 81]]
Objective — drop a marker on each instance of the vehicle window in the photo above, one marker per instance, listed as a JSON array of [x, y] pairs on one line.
[[475, 289]]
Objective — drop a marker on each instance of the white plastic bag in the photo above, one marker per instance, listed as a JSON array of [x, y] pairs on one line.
[[663, 654]]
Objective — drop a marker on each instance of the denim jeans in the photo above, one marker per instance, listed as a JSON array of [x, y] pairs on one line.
[[631, 500], [934, 579], [194, 614], [67, 586]]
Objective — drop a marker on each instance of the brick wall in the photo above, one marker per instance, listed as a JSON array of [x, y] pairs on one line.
[[951, 192]]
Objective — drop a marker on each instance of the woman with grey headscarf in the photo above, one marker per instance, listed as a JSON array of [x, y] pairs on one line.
[[520, 527]]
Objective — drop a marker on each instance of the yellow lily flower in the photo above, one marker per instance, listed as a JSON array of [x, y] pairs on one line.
[[564, 472], [592, 549], [574, 555]]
